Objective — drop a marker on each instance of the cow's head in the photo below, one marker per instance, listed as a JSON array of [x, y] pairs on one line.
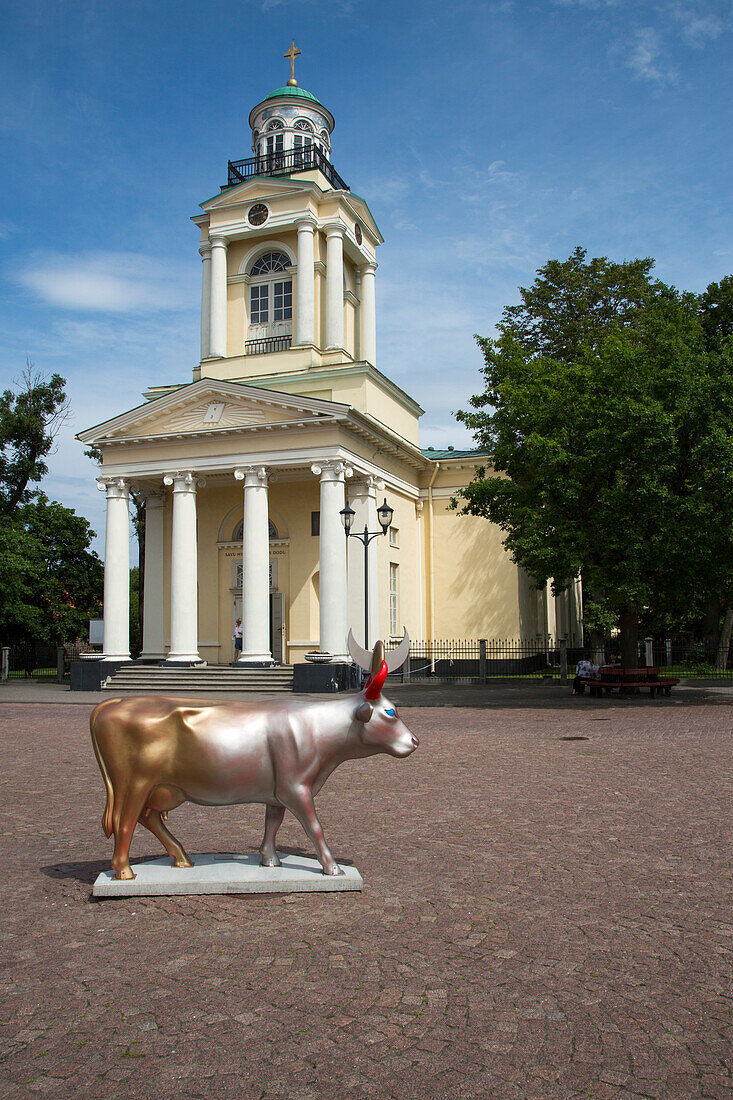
[[380, 727]]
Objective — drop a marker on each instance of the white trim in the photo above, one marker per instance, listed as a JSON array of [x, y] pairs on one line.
[[182, 394], [276, 459], [260, 249]]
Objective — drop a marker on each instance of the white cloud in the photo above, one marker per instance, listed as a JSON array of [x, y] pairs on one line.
[[698, 26], [644, 56], [110, 282]]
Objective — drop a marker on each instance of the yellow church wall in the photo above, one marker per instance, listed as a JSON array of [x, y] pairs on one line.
[[404, 556], [213, 632], [470, 562], [390, 411]]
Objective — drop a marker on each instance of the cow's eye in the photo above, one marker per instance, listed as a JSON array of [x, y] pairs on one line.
[[389, 712]]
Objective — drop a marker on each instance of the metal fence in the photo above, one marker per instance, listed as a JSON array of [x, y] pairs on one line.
[[479, 660], [35, 661], [687, 658]]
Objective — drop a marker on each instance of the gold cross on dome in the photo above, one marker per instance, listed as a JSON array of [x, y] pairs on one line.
[[291, 54]]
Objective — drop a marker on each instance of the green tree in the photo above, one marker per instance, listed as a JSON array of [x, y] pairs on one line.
[[50, 579], [717, 321], [30, 419], [607, 420]]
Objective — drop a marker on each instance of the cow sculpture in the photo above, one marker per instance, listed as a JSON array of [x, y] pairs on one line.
[[156, 753]]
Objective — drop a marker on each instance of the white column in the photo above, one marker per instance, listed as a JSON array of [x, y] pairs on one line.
[[205, 250], [184, 571], [550, 613], [334, 286], [153, 622], [332, 560], [255, 568], [116, 642], [576, 611], [368, 316], [363, 499], [305, 316], [218, 308]]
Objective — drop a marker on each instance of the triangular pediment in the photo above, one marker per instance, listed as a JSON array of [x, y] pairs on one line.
[[211, 406], [257, 188]]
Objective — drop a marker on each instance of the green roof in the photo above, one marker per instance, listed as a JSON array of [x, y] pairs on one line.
[[299, 93], [449, 452]]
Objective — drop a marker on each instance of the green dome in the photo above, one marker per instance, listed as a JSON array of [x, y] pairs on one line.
[[299, 93]]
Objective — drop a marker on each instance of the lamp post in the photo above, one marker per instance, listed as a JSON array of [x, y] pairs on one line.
[[384, 515]]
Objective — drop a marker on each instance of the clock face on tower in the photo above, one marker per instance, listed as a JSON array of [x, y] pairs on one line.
[[258, 214]]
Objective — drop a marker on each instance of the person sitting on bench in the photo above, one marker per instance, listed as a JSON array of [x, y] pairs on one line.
[[585, 671]]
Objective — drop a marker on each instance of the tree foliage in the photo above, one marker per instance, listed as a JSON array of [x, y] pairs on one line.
[[607, 419], [50, 579]]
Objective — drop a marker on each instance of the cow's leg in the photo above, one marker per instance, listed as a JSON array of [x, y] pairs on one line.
[[273, 820], [152, 820], [124, 826], [300, 802]]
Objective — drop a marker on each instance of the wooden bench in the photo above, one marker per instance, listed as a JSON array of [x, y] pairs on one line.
[[616, 678]]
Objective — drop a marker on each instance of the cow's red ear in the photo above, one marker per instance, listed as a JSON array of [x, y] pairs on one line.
[[375, 683]]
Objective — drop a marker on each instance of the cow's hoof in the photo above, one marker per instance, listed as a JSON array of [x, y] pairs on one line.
[[184, 861], [270, 861], [125, 874], [335, 870]]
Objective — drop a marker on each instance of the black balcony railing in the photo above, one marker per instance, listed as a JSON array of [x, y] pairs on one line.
[[268, 344], [285, 163]]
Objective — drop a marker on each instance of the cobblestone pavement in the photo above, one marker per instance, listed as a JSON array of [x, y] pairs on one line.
[[541, 918]]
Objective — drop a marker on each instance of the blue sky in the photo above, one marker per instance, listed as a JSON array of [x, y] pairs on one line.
[[486, 136]]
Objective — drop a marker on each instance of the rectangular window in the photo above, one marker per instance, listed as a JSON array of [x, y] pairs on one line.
[[394, 536], [283, 304], [258, 305], [315, 523], [394, 595], [302, 151], [274, 151]]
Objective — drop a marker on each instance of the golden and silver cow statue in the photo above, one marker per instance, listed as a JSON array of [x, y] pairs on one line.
[[156, 753]]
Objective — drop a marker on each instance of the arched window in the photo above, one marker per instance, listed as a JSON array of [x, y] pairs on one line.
[[269, 263], [270, 298], [272, 146], [239, 531], [325, 142], [302, 144]]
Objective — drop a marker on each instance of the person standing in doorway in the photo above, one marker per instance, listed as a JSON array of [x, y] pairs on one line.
[[237, 639]]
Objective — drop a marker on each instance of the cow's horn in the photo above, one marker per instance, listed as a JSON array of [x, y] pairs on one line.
[[377, 656], [398, 656], [358, 655]]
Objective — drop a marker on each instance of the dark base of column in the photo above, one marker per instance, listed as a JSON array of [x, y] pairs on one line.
[[316, 679], [90, 675], [252, 664]]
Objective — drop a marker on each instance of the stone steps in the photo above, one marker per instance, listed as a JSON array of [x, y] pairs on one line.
[[169, 681]]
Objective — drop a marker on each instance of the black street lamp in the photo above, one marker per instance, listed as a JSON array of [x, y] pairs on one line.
[[384, 515]]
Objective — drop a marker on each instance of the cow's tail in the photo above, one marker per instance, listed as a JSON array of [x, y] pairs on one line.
[[108, 809]]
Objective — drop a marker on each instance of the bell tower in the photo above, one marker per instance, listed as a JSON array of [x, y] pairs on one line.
[[289, 253]]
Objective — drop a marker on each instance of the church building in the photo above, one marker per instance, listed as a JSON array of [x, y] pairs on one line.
[[246, 467]]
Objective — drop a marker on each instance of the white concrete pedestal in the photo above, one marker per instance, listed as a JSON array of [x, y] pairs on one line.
[[226, 874]]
